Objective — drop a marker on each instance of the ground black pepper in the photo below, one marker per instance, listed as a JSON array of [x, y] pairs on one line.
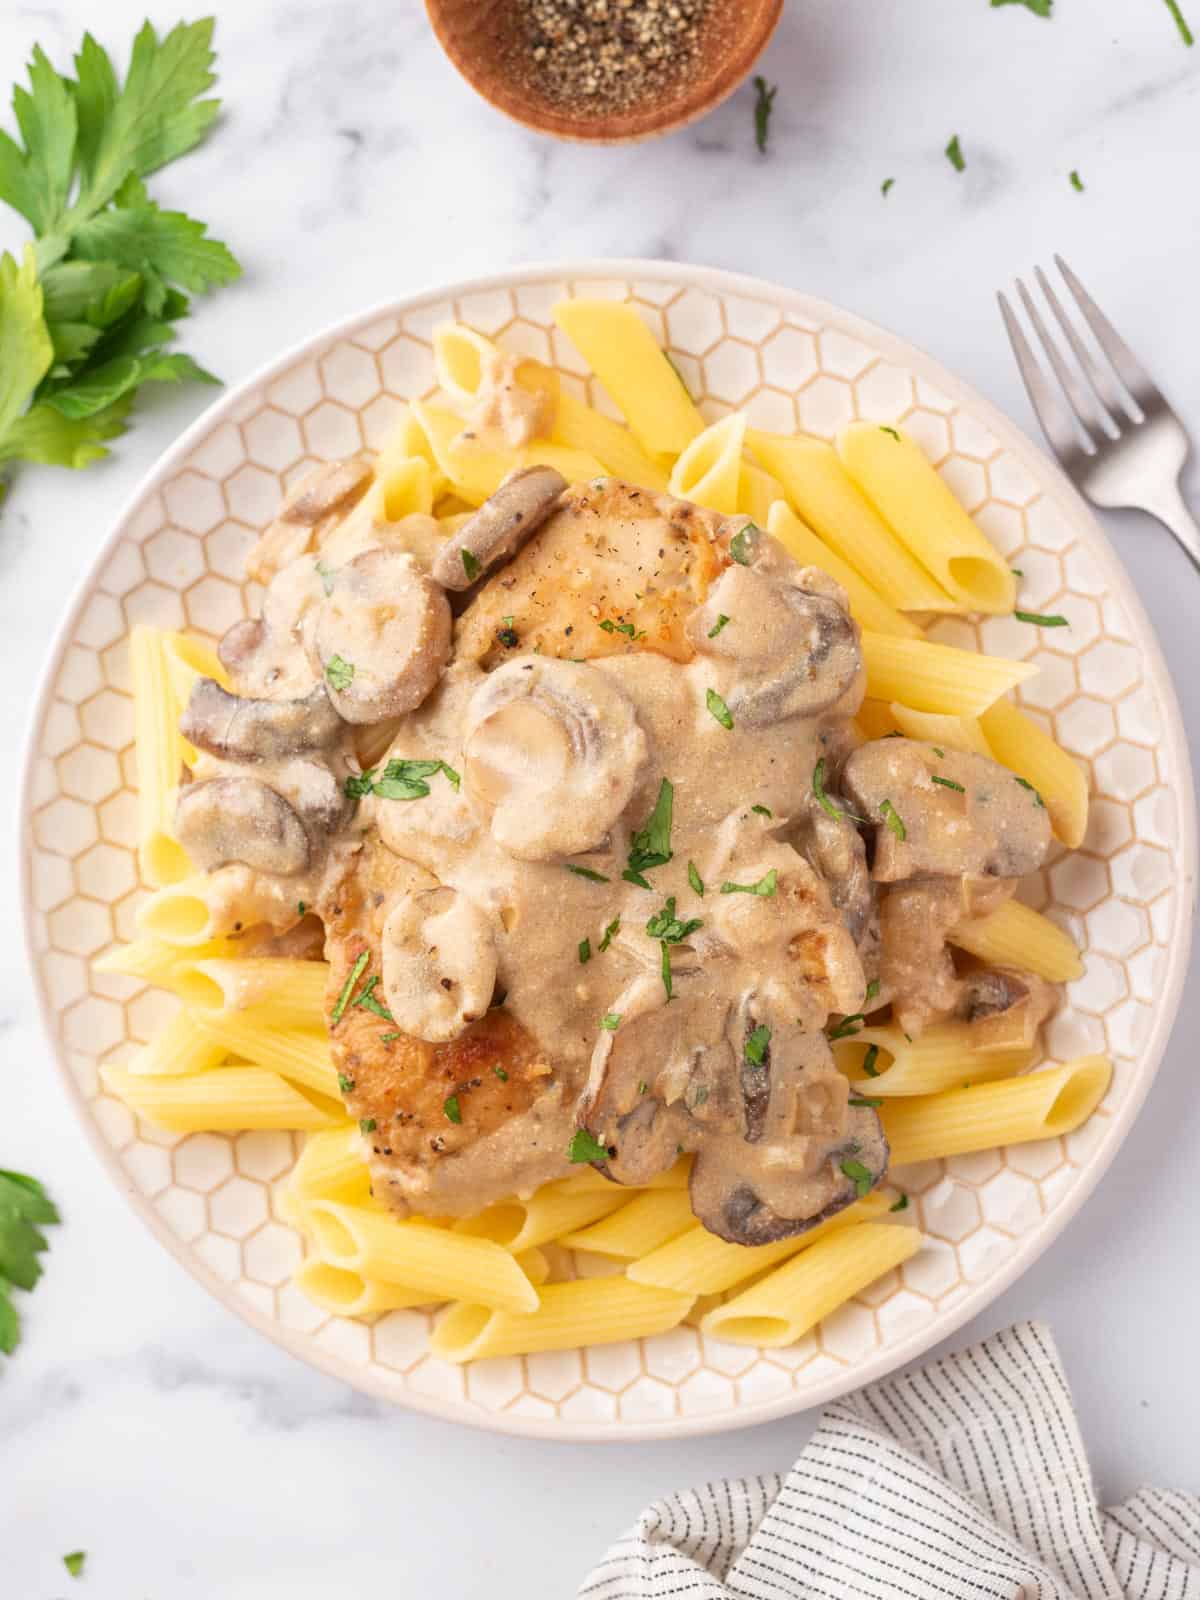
[[600, 56]]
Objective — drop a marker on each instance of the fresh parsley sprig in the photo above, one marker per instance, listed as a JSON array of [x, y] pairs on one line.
[[25, 1208]]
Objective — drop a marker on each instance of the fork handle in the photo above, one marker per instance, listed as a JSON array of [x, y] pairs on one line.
[[1172, 511]]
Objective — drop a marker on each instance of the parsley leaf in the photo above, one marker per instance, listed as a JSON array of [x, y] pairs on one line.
[[869, 1060], [859, 1176], [892, 817], [651, 845], [955, 156], [340, 673], [743, 545], [585, 952], [405, 779], [947, 783], [763, 105], [694, 878], [611, 1021], [1040, 621], [610, 932], [756, 1045], [765, 886], [585, 1147], [74, 1561], [667, 926], [452, 1109], [901, 1204], [886, 186], [470, 563], [718, 708], [586, 872], [1077, 184], [721, 622], [24, 1205]]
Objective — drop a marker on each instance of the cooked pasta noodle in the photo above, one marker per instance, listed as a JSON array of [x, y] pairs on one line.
[[189, 912], [637, 1226], [159, 753], [177, 1049], [1016, 936], [951, 733], [709, 471], [758, 491], [549, 1212], [225, 1098], [587, 1312], [943, 1056], [283, 993], [937, 677], [1018, 743], [301, 1054], [869, 609], [331, 1167]]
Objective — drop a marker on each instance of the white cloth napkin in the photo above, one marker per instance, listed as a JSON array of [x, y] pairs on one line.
[[965, 1479]]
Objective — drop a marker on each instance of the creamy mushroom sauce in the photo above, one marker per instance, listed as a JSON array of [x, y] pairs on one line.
[[519, 986], [505, 407]]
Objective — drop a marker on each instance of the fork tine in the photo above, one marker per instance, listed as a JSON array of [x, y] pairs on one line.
[[1056, 420], [1081, 401], [1112, 403], [1128, 368]]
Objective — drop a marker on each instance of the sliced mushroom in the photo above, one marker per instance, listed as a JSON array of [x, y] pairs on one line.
[[947, 814], [330, 489], [382, 636], [439, 963], [269, 655], [223, 820], [1004, 1007], [553, 753], [242, 729], [500, 527], [834, 849]]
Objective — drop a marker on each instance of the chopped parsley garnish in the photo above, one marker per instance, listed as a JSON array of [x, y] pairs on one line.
[[1017, 572], [651, 845], [366, 999], [859, 1176], [870, 1070], [1185, 33], [611, 1021], [586, 872], [872, 989], [892, 817], [366, 1124], [718, 708], [643, 1086], [23, 1205], [1025, 784], [74, 1562], [765, 887], [938, 751], [741, 546], [721, 622], [627, 628], [339, 672], [901, 1204], [470, 563], [757, 1044], [818, 785], [667, 926], [847, 1027], [345, 1084], [948, 783], [585, 1147], [359, 784], [666, 970], [501, 1074], [1040, 621], [401, 780], [452, 1108], [890, 431], [585, 952], [762, 811], [386, 1038], [1076, 182], [694, 878], [864, 1100], [343, 999], [886, 186], [955, 156], [610, 933], [1040, 8], [326, 577], [700, 1096], [763, 103]]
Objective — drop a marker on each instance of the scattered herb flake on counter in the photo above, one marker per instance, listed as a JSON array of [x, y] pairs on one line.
[[694, 878], [859, 1176], [470, 563], [718, 708], [1040, 621], [610, 932], [611, 1021], [764, 104], [340, 673], [869, 1060], [756, 1045], [948, 783], [1077, 184], [586, 872], [452, 1108], [721, 622], [24, 1208], [955, 156], [892, 817], [585, 952], [1185, 33], [74, 1562], [585, 1147], [887, 186], [765, 887], [86, 319]]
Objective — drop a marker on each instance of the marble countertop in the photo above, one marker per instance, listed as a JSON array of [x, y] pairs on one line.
[[141, 1421]]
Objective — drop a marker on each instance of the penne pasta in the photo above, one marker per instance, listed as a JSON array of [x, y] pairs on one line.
[[794, 1298], [1018, 743], [1041, 1105], [938, 728], [442, 1264], [637, 1227], [937, 677], [758, 491], [869, 609], [153, 959], [411, 437], [405, 485], [179, 1048], [697, 1262], [349, 1294], [476, 470], [224, 1099], [303, 1055], [331, 1166], [622, 352], [570, 1315], [709, 471], [945, 1056], [460, 355], [547, 1214], [282, 992], [187, 913], [1016, 936], [820, 489], [159, 754], [898, 479], [875, 720], [580, 427], [187, 660]]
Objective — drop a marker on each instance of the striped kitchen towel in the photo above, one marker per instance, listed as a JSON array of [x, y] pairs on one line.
[[965, 1479]]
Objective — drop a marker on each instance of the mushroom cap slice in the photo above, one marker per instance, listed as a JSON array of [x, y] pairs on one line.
[[382, 636], [553, 752], [439, 963], [242, 729], [222, 820], [500, 527]]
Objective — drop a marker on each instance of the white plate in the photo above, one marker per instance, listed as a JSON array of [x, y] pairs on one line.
[[175, 558]]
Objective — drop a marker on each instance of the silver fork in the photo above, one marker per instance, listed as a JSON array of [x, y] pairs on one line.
[[1115, 436]]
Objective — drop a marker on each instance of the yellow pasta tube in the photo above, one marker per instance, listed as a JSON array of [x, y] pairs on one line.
[[868, 608], [622, 352], [790, 1301], [580, 427], [183, 913], [1040, 1105], [179, 1048], [222, 1100], [571, 1315], [758, 491], [709, 471], [153, 959], [459, 357], [412, 437], [944, 1056], [1015, 936], [697, 1262], [406, 486], [303, 1055], [349, 1294], [875, 720], [936, 677], [947, 732], [159, 753], [331, 1167], [442, 1264], [895, 475], [547, 1214], [636, 1228], [283, 993], [1027, 750], [825, 496]]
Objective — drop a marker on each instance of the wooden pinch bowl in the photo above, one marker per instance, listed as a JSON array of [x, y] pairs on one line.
[[483, 40]]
